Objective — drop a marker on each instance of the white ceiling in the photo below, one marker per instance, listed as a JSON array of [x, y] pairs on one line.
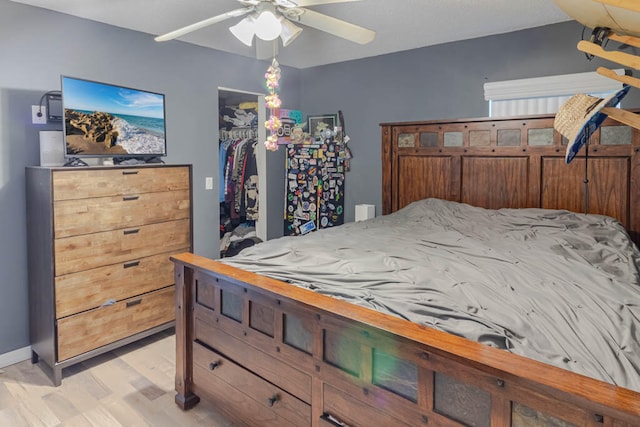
[[399, 24]]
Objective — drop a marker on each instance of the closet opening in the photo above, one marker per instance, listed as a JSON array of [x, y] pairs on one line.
[[241, 170]]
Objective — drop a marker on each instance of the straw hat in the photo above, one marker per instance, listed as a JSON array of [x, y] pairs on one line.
[[579, 117]]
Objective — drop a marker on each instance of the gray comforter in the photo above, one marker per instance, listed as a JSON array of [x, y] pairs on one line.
[[556, 286]]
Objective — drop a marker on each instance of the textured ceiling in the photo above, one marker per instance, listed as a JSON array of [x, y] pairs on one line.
[[399, 24]]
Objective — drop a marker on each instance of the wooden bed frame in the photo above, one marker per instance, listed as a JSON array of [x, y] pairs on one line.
[[269, 353]]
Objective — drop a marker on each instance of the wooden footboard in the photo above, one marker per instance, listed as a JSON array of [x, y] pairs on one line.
[[269, 353]]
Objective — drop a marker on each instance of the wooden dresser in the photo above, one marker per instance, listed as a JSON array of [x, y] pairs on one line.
[[99, 245]]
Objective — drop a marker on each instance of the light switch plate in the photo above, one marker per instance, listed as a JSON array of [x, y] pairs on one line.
[[208, 183]]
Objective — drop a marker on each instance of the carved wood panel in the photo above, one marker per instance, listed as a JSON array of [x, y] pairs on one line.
[[494, 183], [423, 177], [608, 186]]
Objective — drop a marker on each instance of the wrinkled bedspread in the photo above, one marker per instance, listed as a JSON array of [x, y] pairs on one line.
[[555, 286]]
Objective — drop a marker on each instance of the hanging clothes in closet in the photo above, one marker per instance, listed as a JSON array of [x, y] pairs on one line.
[[238, 178]]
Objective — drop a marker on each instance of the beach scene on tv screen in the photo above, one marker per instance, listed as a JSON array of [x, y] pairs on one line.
[[108, 120]]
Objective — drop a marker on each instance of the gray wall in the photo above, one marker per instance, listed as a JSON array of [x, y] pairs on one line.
[[439, 82], [432, 83]]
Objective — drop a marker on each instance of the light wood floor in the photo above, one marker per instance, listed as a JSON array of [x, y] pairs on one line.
[[130, 386]]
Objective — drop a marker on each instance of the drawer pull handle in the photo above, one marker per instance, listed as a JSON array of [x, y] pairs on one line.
[[272, 400], [330, 419], [131, 264], [129, 198], [214, 365], [134, 302], [134, 231], [133, 172]]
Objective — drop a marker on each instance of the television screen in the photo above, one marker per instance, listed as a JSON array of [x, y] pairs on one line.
[[106, 120]]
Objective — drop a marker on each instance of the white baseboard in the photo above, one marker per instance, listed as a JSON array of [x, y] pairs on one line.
[[15, 356]]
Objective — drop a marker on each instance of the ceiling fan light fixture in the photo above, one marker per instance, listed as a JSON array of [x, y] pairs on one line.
[[244, 30], [267, 26], [290, 31]]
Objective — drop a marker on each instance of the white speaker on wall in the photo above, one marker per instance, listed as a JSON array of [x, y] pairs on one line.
[[51, 148]]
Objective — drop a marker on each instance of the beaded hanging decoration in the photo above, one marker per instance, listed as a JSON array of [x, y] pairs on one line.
[[273, 103]]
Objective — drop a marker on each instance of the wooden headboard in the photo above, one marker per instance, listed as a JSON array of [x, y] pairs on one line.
[[513, 162]]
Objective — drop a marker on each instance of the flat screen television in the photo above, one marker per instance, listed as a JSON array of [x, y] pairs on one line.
[[105, 120]]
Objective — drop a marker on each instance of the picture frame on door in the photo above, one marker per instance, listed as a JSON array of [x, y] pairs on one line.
[[318, 124]]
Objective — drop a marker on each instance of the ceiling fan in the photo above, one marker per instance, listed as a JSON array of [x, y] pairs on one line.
[[270, 19]]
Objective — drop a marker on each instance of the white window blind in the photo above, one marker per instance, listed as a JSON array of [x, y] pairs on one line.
[[544, 95]]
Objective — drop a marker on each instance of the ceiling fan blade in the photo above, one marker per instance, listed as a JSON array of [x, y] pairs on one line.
[[336, 26], [205, 23], [305, 3]]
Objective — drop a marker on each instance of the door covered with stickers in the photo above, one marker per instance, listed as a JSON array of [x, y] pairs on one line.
[[315, 187]]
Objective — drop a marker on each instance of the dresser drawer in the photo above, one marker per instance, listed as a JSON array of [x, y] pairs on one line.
[[346, 410], [85, 183], [259, 402], [101, 326], [89, 289], [79, 253], [82, 216]]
